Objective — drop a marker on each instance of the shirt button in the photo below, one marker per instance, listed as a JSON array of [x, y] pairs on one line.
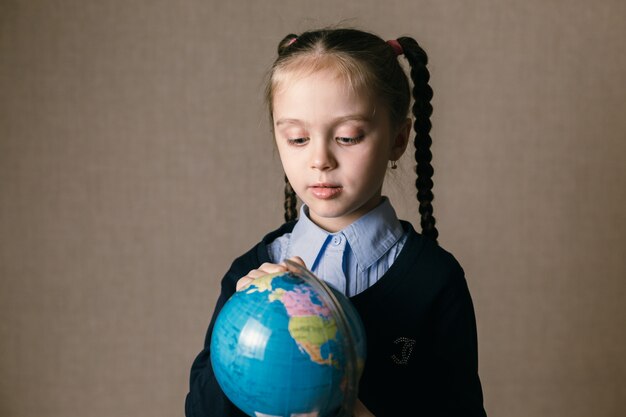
[[336, 240]]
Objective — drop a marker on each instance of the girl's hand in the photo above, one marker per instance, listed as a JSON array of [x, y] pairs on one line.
[[361, 411], [265, 269]]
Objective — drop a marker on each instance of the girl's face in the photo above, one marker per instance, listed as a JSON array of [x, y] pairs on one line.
[[335, 145]]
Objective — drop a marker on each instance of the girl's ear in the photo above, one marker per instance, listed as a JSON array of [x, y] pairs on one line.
[[400, 140]]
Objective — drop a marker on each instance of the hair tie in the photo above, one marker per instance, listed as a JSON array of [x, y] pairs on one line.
[[292, 40], [397, 48]]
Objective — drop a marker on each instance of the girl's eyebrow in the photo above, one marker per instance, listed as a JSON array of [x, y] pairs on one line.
[[354, 117], [338, 120], [287, 122]]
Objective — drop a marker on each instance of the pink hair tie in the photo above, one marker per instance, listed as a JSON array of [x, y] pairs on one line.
[[397, 48], [292, 40]]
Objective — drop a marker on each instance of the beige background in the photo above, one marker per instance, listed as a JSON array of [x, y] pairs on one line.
[[136, 163]]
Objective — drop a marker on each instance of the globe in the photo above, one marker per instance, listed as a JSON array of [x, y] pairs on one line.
[[289, 345]]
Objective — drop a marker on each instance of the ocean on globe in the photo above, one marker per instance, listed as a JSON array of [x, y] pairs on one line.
[[279, 348]]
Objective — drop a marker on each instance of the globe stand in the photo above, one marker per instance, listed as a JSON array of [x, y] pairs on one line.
[[327, 295]]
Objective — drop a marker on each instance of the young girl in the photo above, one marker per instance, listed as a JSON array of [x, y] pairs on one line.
[[339, 102]]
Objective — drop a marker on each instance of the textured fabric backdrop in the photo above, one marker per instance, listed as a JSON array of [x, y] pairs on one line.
[[136, 162]]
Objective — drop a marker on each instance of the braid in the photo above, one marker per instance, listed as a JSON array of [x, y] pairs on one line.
[[422, 110], [290, 202], [290, 195]]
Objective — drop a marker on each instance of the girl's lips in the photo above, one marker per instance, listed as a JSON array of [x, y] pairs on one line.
[[325, 191]]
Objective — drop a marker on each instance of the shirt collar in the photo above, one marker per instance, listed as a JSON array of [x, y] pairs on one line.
[[307, 239], [369, 237]]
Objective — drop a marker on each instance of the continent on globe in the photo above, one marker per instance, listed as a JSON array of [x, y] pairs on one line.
[[310, 322], [279, 348]]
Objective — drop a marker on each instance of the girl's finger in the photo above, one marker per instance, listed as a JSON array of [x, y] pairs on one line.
[[298, 260], [266, 268], [243, 282]]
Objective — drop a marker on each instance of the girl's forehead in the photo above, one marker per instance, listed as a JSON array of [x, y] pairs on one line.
[[347, 72], [324, 88], [323, 98], [328, 80]]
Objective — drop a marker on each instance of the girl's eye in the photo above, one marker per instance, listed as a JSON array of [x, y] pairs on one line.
[[350, 140], [297, 141]]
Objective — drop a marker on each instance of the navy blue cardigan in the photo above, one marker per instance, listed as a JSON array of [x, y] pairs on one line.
[[421, 337]]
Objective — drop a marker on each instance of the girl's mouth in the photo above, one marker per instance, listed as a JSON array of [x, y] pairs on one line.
[[325, 191]]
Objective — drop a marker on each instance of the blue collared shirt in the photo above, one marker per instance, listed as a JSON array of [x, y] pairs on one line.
[[352, 259]]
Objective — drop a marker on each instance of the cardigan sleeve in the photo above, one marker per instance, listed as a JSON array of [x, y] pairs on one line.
[[205, 397], [456, 386]]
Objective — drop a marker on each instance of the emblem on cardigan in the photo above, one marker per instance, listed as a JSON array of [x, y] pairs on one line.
[[407, 349]]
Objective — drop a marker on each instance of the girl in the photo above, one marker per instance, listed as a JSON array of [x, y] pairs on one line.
[[338, 102]]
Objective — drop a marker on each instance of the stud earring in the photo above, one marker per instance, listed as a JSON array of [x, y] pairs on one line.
[[393, 165]]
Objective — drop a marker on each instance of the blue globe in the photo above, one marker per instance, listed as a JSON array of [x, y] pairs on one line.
[[283, 347]]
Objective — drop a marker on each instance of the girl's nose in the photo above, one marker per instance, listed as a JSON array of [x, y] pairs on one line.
[[322, 157]]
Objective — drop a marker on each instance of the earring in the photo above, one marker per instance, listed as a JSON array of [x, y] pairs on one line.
[[393, 165]]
